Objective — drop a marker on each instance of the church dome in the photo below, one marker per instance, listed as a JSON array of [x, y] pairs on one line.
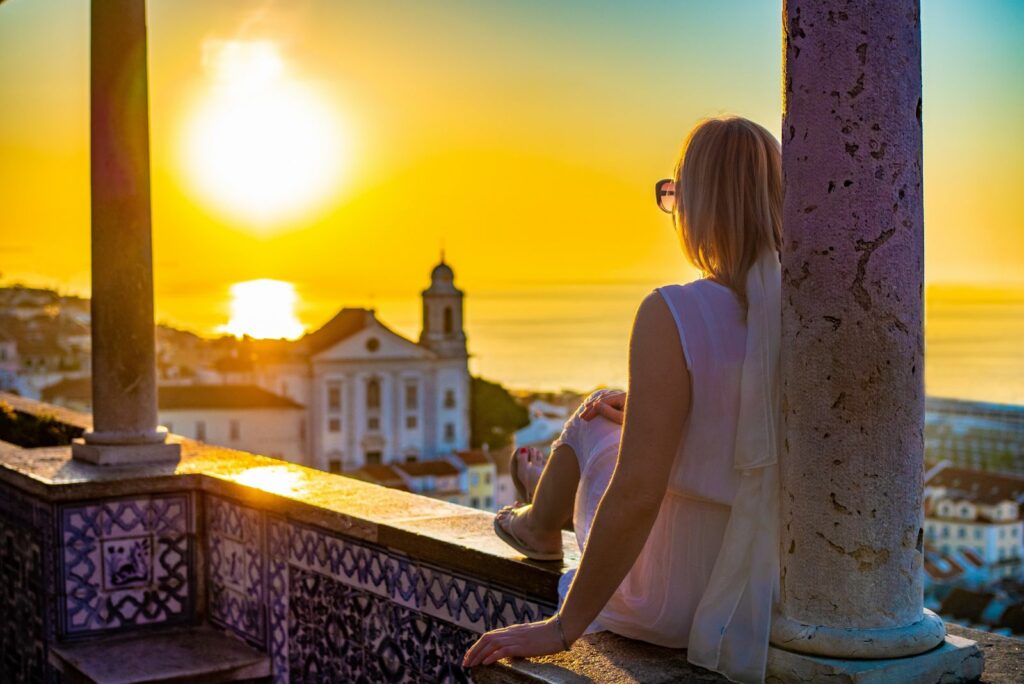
[[442, 273]]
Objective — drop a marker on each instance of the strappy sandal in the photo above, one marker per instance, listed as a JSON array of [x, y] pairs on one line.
[[510, 538]]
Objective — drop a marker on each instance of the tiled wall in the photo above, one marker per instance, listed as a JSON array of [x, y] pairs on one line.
[[328, 608], [26, 578], [126, 563], [324, 607]]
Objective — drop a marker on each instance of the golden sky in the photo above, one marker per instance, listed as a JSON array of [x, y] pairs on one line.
[[524, 136]]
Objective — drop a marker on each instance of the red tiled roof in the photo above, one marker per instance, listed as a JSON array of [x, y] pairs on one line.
[[982, 487], [380, 474], [221, 397], [427, 468], [79, 389], [345, 323], [474, 457]]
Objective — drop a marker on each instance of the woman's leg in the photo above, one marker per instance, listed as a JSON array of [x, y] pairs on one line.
[[539, 524]]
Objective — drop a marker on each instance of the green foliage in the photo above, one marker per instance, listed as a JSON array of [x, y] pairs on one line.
[[494, 414], [29, 431]]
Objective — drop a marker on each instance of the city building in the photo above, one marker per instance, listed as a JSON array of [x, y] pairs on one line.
[[241, 417], [979, 511], [974, 434], [437, 479], [478, 475], [373, 396]]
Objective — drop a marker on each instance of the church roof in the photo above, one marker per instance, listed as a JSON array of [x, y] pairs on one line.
[[345, 323]]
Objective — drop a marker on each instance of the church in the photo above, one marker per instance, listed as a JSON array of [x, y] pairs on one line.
[[374, 397]]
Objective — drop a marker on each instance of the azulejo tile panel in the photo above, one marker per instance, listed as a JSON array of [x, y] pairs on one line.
[[126, 563], [336, 609], [236, 563], [341, 633], [25, 581]]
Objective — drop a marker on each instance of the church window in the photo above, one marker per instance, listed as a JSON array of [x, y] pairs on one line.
[[412, 397], [373, 393], [334, 425], [334, 397], [236, 430], [449, 432], [201, 430], [449, 321], [373, 423], [411, 422], [334, 466], [449, 399], [372, 344]]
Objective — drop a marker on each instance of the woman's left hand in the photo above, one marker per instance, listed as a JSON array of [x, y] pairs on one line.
[[522, 641]]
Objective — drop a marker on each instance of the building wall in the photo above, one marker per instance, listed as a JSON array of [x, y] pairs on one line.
[[279, 433], [352, 431], [994, 542]]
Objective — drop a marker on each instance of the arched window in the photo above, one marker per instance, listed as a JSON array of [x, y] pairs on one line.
[[449, 321], [373, 393]]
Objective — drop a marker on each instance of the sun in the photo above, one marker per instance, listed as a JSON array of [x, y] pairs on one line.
[[261, 145], [263, 309]]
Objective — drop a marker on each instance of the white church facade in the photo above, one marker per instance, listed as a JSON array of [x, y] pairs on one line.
[[373, 396]]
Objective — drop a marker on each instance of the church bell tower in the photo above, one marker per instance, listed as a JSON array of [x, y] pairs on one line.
[[442, 314]]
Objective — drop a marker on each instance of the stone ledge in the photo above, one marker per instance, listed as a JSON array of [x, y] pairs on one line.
[[188, 655], [448, 535], [606, 657]]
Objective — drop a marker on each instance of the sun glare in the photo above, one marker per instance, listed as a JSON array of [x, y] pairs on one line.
[[263, 309], [261, 145]]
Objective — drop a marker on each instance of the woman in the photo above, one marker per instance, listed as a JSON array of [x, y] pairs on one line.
[[677, 510]]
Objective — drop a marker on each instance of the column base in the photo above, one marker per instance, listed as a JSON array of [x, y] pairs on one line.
[[840, 642], [124, 454], [954, 660]]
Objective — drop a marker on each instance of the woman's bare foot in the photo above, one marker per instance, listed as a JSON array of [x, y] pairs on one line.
[[517, 520], [528, 464]]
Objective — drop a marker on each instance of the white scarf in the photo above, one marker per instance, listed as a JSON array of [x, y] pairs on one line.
[[731, 625]]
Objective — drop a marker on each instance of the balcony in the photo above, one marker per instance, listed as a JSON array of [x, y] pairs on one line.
[[323, 576]]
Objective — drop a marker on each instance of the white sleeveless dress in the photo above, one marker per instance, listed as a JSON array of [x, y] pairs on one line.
[[657, 600]]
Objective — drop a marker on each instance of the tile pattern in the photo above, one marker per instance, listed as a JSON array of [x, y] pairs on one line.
[[126, 563], [26, 585], [236, 556], [341, 609]]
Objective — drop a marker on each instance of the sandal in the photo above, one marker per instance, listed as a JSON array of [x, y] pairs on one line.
[[510, 538]]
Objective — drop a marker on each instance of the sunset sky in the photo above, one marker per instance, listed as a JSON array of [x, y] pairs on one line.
[[524, 136]]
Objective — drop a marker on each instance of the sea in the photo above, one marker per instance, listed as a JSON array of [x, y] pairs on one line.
[[576, 336]]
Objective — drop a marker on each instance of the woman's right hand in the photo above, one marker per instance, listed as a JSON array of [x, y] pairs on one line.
[[611, 405]]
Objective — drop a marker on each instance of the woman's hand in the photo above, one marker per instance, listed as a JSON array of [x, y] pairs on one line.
[[610, 405], [519, 641]]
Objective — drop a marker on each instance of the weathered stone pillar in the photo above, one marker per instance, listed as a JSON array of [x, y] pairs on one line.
[[123, 334], [852, 334]]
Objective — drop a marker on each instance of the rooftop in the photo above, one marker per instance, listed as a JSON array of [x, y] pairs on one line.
[[982, 487]]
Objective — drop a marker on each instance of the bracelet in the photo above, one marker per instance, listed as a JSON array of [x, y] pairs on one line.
[[561, 633]]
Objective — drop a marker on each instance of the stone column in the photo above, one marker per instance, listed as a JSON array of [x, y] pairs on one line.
[[852, 340], [123, 334]]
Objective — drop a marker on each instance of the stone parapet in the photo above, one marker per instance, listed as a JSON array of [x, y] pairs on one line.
[[320, 572]]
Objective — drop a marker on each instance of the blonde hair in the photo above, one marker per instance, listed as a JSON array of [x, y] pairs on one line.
[[729, 198]]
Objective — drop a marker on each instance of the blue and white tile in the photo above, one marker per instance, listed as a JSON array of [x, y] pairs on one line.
[[126, 562], [236, 566]]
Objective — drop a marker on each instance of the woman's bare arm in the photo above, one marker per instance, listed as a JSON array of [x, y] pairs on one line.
[[656, 408], [658, 400]]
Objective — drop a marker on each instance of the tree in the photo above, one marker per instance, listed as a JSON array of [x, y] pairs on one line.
[[494, 414]]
